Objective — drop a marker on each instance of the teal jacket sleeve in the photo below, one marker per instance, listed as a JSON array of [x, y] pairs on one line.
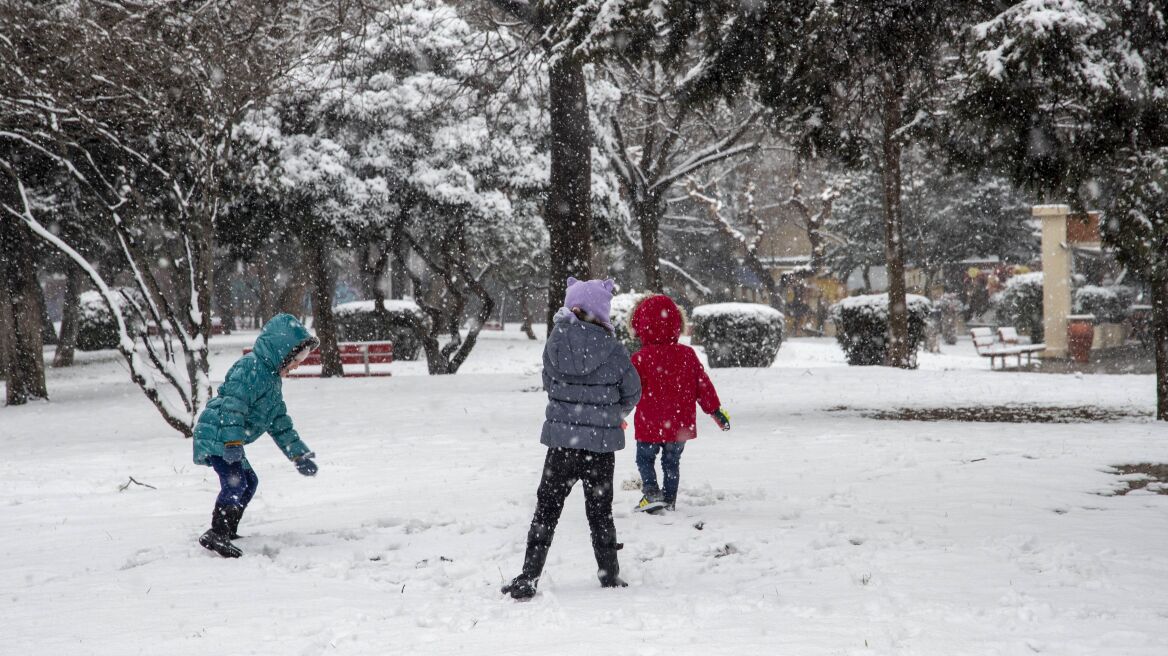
[[285, 435]]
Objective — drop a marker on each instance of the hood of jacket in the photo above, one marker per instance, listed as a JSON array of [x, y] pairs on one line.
[[657, 320], [282, 337], [577, 348]]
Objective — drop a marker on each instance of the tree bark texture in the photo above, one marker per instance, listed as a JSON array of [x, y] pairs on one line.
[[48, 331], [568, 210], [322, 308], [25, 373], [1160, 336], [70, 317], [648, 216], [898, 346], [225, 294]]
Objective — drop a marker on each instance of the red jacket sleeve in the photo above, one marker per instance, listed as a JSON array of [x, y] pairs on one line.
[[707, 395]]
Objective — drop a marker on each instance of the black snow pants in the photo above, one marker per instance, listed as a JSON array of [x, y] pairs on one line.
[[561, 469]]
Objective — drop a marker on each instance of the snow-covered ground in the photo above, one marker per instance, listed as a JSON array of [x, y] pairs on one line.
[[803, 531]]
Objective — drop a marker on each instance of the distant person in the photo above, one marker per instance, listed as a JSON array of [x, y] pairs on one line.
[[591, 387], [673, 380], [251, 403]]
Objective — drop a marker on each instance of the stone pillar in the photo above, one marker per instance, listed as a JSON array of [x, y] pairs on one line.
[[1056, 277]]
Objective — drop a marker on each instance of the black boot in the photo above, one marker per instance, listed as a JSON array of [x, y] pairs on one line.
[[218, 537], [608, 567], [233, 522], [523, 586]]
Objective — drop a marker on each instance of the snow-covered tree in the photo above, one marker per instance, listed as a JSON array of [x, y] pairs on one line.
[[948, 217], [137, 102], [660, 134], [857, 81], [1071, 97], [410, 136]]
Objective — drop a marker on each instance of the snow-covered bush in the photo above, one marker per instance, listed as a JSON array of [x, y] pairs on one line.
[[738, 334], [96, 328], [621, 315], [861, 326], [1108, 304], [1019, 304], [358, 322]]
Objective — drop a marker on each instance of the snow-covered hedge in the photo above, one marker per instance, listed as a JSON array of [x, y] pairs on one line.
[[1108, 304], [1019, 304], [861, 326], [621, 315], [357, 322], [738, 334], [96, 327]]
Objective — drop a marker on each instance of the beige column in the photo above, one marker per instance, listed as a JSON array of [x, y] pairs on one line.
[[1056, 277]]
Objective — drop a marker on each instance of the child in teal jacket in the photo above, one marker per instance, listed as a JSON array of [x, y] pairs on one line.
[[250, 403]]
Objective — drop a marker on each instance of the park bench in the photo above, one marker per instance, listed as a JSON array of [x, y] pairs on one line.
[[1002, 345], [352, 353]]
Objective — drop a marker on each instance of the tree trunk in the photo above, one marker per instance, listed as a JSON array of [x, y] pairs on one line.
[[322, 307], [525, 308], [1160, 335], [291, 298], [399, 278], [648, 217], [898, 345], [70, 317], [568, 211], [225, 294], [48, 331], [25, 358]]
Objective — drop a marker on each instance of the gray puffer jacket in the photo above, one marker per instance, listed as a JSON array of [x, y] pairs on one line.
[[591, 386]]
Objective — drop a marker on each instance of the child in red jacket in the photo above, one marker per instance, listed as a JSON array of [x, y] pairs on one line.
[[672, 380]]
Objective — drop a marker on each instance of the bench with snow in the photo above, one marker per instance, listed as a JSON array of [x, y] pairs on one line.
[[352, 353], [1003, 345]]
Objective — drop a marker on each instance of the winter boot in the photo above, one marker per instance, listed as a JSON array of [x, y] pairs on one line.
[[523, 586], [608, 567], [233, 519], [218, 537]]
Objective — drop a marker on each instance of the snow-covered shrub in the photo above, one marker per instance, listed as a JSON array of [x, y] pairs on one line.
[[1019, 304], [621, 315], [738, 334], [861, 326], [357, 322], [1108, 304], [96, 327]]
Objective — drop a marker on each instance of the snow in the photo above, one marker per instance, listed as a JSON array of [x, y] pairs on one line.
[[756, 310], [821, 532], [878, 303], [391, 305]]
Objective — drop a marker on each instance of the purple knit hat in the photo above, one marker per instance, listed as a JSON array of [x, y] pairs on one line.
[[592, 296]]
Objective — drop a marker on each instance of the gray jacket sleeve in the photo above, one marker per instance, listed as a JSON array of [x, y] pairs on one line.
[[630, 386]]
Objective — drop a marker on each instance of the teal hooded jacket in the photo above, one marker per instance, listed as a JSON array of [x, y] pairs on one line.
[[251, 399]]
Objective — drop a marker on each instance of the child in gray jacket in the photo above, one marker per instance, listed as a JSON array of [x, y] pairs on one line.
[[591, 386]]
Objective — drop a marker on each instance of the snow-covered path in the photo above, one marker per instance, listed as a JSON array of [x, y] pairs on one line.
[[803, 531]]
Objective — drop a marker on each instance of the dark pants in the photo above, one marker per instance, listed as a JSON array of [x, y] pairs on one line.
[[561, 469], [670, 467], [237, 484]]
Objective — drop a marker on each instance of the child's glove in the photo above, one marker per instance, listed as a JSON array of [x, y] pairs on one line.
[[722, 418], [305, 465], [233, 452]]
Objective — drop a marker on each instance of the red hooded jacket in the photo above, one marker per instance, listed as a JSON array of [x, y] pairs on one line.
[[672, 377]]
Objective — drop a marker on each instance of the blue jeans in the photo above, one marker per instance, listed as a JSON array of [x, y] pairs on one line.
[[670, 467], [237, 484]]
